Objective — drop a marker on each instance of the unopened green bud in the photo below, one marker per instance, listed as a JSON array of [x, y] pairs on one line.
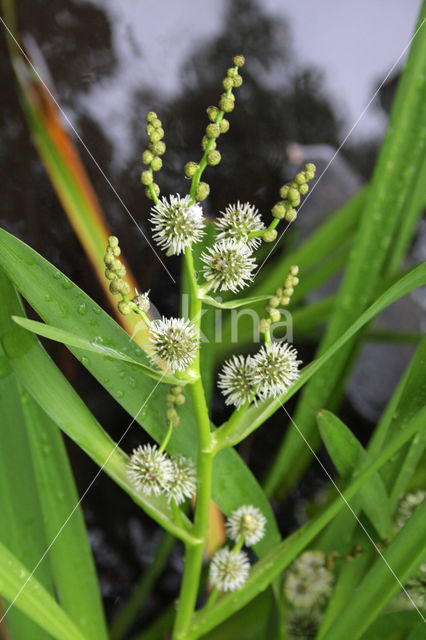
[[294, 269], [231, 72], [264, 325], [224, 125], [113, 241], [310, 167], [278, 210], [116, 251], [176, 390], [115, 286], [300, 178], [156, 189], [146, 178], [303, 189], [160, 131], [213, 158], [110, 275], [208, 141], [124, 308], [150, 129], [293, 194], [239, 60], [171, 414], [309, 175], [109, 258], [275, 315], [226, 104], [151, 116], [288, 291], [157, 148], [279, 292], [274, 301], [285, 300], [156, 122], [120, 270], [170, 398], [269, 235], [155, 136], [238, 80], [227, 83], [212, 113], [156, 163], [212, 131], [191, 169], [284, 191], [291, 215], [295, 281], [147, 157], [180, 399], [202, 191]]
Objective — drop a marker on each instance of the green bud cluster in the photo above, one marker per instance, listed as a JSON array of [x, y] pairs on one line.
[[151, 155], [282, 297], [115, 271], [218, 125], [291, 193], [175, 398]]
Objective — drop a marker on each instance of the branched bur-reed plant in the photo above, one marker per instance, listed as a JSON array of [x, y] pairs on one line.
[[229, 264], [356, 568]]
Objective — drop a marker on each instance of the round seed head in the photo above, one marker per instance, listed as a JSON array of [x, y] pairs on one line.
[[174, 341], [149, 470], [274, 369], [246, 521], [235, 380], [177, 223], [238, 221], [228, 265], [229, 571]]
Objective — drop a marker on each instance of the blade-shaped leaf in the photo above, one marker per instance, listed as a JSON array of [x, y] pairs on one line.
[[33, 599], [348, 456], [233, 304]]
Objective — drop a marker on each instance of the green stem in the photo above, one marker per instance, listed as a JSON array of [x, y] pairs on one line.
[[194, 552], [226, 429], [259, 234], [166, 438]]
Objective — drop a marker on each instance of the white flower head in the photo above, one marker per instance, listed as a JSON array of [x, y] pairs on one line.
[[149, 470], [177, 223], [246, 521], [174, 341], [275, 369], [184, 481], [299, 591], [238, 221], [235, 380], [229, 571], [310, 561], [229, 265]]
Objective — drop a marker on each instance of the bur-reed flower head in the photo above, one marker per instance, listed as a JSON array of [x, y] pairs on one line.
[[248, 522], [228, 265], [310, 561], [299, 591], [184, 481], [238, 221], [235, 380], [177, 223], [275, 368], [149, 470], [174, 341], [229, 571]]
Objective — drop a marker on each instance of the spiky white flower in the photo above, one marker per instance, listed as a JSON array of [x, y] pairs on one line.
[[228, 570], [238, 221], [274, 369], [246, 521], [149, 470], [141, 300], [184, 482], [174, 341], [177, 223], [229, 265], [310, 561], [235, 380], [298, 591]]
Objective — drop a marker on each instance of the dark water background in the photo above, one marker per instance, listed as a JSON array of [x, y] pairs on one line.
[[281, 102]]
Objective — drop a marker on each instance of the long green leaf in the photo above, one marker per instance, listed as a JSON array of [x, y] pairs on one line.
[[267, 569], [21, 528], [60, 303], [72, 340], [395, 176], [256, 416], [348, 456], [393, 626], [403, 555], [33, 599]]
